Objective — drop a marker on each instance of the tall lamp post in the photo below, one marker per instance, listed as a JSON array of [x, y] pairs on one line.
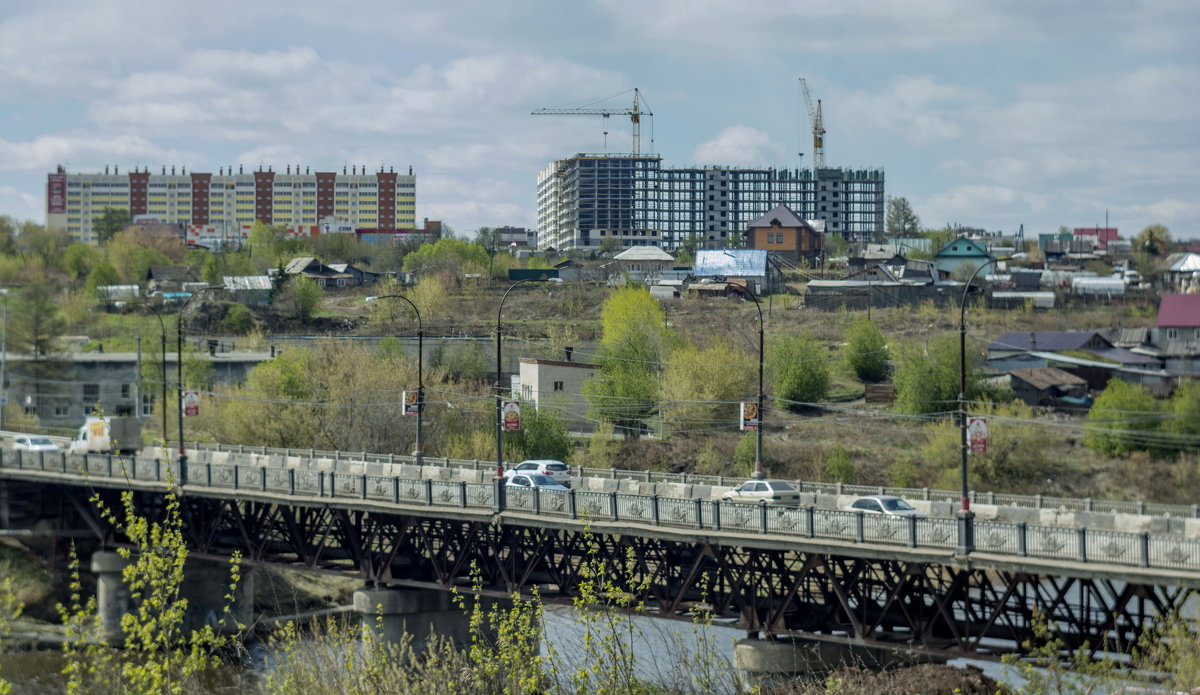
[[419, 452], [966, 529], [179, 380], [4, 357], [163, 326], [758, 463], [499, 398]]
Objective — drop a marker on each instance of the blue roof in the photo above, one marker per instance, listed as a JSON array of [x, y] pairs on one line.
[[731, 263]]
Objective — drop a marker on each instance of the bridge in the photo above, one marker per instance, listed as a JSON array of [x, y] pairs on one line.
[[808, 572]]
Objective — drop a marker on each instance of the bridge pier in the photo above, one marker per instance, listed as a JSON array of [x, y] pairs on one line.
[[112, 594], [388, 614], [206, 588], [773, 662]]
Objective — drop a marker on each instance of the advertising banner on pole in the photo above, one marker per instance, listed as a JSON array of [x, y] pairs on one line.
[[749, 416], [511, 415], [191, 403], [977, 433], [410, 402]]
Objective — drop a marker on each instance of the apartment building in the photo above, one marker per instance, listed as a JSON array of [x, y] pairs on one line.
[[584, 200], [230, 200]]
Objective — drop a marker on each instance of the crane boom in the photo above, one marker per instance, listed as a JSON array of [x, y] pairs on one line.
[[818, 127], [635, 114]]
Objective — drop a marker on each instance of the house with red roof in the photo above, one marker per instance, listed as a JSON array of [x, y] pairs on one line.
[[1177, 333]]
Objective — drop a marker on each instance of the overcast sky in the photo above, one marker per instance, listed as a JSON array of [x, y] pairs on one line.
[[987, 114]]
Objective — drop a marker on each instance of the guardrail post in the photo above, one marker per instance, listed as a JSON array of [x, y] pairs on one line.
[[839, 488], [966, 533], [1144, 547], [1087, 504], [571, 504], [264, 449], [1196, 511], [860, 528], [499, 493], [912, 531], [208, 475], [42, 460], [762, 516], [291, 481], [654, 508], [428, 492], [925, 494], [236, 482], [810, 512], [1022, 539], [1081, 533], [537, 500], [337, 456], [362, 486], [699, 513], [462, 493], [241, 448], [1037, 501], [612, 473], [612, 505], [109, 457], [1141, 507], [320, 483], [157, 469]]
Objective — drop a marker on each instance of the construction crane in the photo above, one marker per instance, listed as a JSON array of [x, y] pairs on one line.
[[818, 127], [635, 116]]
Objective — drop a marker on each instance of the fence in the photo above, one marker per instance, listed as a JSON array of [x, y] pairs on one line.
[[1133, 549]]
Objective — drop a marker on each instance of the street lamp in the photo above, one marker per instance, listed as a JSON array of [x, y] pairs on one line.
[[966, 533], [179, 379], [758, 464], [162, 325], [4, 358], [418, 453], [499, 399]]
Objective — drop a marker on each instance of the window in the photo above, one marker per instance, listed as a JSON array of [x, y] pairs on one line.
[[91, 393], [558, 386], [61, 410], [125, 390], [1172, 333]]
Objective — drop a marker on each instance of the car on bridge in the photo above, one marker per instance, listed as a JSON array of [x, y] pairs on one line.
[[883, 504], [532, 480], [773, 492], [549, 467], [34, 442]]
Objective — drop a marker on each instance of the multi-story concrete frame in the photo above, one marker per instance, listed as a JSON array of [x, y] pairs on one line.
[[584, 200], [382, 199]]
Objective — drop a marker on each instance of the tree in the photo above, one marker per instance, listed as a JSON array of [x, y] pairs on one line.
[[1123, 419], [543, 435], [799, 370], [901, 220], [866, 351], [304, 295], [633, 346], [1154, 240], [100, 276], [79, 259], [1185, 415], [447, 254], [699, 388], [927, 376], [109, 222], [35, 327]]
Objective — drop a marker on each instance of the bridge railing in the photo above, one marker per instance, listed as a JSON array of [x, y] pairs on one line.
[[926, 494], [1083, 545]]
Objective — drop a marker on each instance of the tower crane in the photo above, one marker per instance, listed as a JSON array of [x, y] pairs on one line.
[[635, 116], [818, 127]]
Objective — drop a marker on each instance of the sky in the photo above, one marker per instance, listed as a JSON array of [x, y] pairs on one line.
[[984, 114]]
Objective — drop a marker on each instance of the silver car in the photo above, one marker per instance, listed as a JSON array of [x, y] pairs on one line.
[[34, 442], [883, 504], [772, 491]]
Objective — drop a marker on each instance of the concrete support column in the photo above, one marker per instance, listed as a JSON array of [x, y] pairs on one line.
[[389, 614], [771, 663], [112, 594], [206, 588]]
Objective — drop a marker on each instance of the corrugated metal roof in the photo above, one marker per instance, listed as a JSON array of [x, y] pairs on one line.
[[1179, 311], [643, 253], [246, 282], [731, 263], [1044, 377], [1051, 341]]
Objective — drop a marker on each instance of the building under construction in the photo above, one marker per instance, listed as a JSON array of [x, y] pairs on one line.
[[584, 200]]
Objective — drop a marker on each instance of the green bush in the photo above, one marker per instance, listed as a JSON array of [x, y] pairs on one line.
[[866, 351], [238, 320], [799, 370], [838, 466]]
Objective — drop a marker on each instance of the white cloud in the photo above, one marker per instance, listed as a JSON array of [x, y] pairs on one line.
[[42, 153], [738, 145]]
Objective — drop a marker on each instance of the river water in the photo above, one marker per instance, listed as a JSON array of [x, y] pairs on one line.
[[659, 646]]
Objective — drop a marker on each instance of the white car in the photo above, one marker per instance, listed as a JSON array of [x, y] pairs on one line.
[[772, 491], [34, 442], [550, 467], [883, 504], [532, 480]]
